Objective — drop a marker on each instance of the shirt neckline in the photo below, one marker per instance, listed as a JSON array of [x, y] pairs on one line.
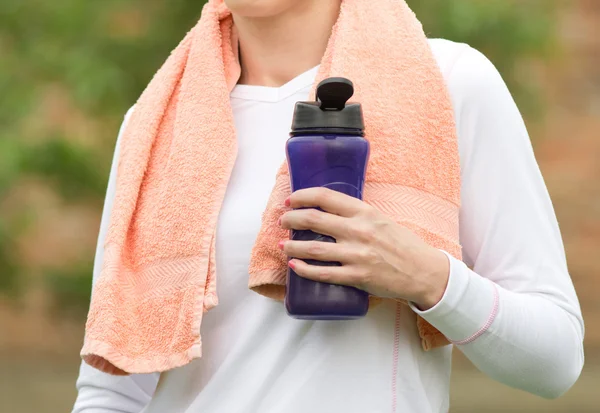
[[275, 94]]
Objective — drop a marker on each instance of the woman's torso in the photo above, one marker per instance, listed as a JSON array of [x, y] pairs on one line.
[[255, 357]]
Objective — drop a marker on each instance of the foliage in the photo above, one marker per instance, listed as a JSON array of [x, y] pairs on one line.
[[71, 289], [65, 60], [509, 32], [71, 68]]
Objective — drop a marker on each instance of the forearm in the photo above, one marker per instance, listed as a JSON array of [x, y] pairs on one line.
[[523, 340], [102, 393]]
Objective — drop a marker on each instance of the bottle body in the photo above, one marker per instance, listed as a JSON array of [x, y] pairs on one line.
[[337, 162]]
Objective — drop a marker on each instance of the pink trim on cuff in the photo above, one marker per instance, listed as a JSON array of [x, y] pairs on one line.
[[487, 325]]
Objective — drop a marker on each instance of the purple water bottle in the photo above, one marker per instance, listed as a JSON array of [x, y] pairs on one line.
[[327, 148]]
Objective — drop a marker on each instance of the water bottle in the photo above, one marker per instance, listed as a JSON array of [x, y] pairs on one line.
[[327, 149]]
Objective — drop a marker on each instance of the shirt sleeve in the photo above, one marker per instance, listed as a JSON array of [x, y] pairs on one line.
[[99, 392], [511, 306]]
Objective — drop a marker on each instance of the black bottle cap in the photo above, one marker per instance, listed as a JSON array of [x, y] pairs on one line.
[[330, 113]]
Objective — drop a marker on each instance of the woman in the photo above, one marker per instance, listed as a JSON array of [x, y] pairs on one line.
[[515, 314]]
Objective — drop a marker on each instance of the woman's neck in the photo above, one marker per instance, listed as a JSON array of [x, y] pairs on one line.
[[274, 50]]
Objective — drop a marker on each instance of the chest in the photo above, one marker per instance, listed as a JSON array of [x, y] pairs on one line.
[[262, 130]]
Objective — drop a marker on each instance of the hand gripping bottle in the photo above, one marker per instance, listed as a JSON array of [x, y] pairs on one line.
[[327, 149]]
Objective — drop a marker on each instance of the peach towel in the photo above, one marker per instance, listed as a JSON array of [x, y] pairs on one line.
[[177, 153]]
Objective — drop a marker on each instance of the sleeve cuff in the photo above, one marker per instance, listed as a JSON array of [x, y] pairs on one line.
[[468, 307]]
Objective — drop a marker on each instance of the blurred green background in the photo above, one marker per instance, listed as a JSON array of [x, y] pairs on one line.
[[70, 69]]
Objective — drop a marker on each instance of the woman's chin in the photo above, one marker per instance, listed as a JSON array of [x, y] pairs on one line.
[[260, 8]]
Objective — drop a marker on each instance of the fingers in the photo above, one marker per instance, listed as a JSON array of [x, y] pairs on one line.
[[317, 250], [328, 200], [342, 275], [316, 221]]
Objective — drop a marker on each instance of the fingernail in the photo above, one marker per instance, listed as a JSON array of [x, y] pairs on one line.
[[281, 244], [292, 265], [288, 202]]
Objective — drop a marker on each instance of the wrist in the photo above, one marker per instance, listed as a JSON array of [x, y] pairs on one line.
[[433, 278]]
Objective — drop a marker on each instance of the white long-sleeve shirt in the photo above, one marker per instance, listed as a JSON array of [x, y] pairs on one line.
[[515, 314]]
